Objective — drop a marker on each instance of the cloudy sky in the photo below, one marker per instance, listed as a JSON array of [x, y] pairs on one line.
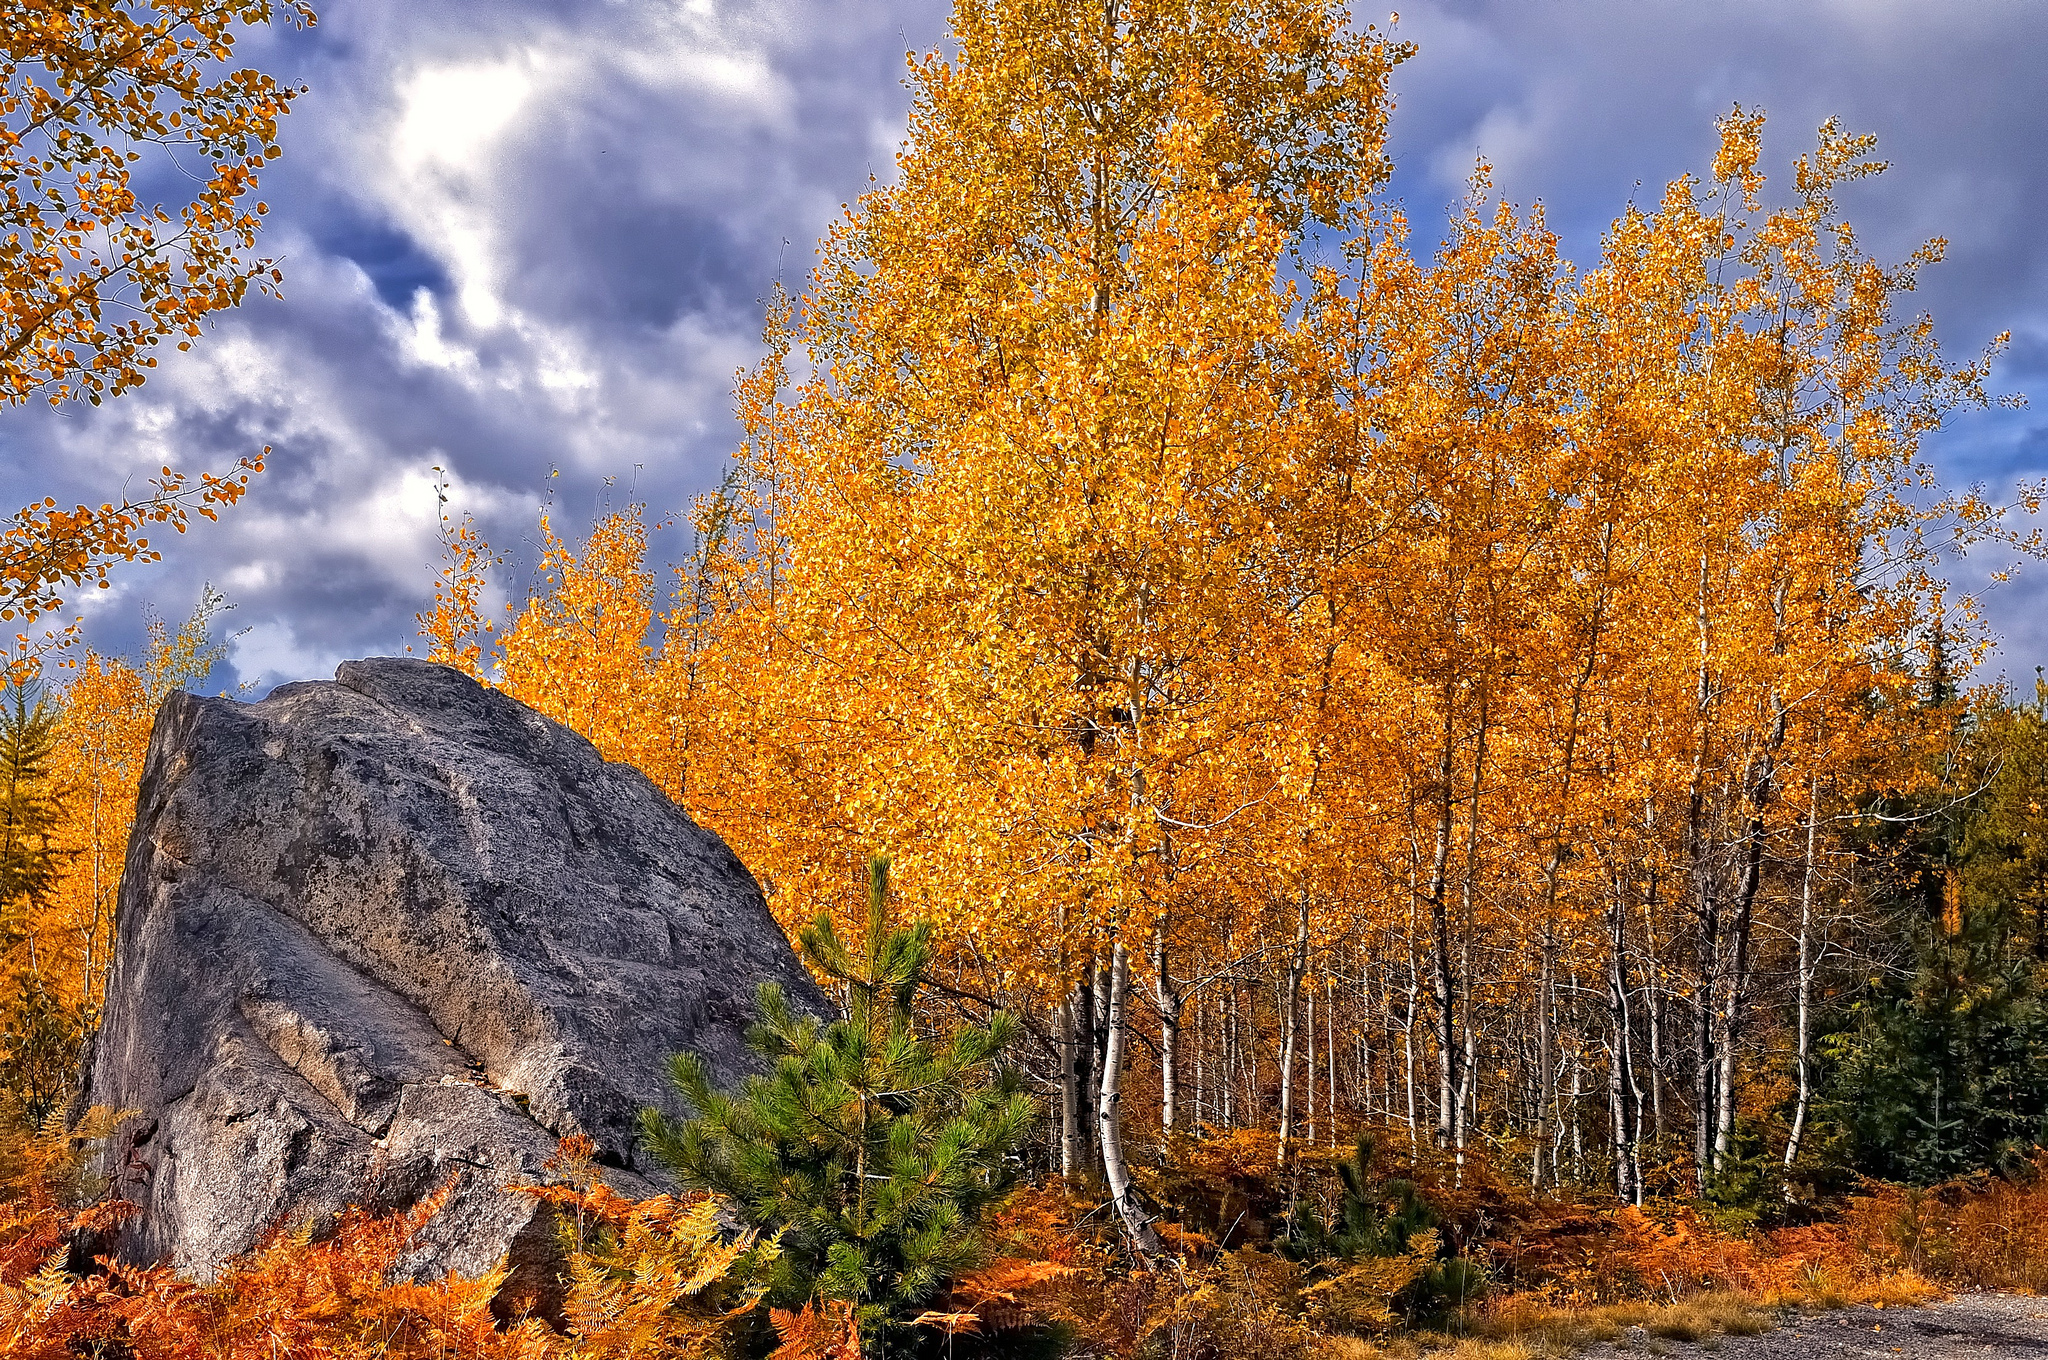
[[532, 236]]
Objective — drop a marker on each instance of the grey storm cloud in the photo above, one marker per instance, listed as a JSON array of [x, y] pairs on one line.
[[523, 237]]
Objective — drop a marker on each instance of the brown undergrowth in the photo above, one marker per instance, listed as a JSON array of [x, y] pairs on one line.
[[666, 1277], [1564, 1272]]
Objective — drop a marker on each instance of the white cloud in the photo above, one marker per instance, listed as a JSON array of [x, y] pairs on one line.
[[446, 149], [451, 116], [424, 343], [528, 234], [269, 653]]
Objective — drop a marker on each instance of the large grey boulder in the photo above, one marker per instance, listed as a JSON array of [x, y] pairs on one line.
[[400, 932]]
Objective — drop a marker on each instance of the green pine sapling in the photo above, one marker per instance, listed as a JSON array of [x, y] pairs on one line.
[[873, 1151]]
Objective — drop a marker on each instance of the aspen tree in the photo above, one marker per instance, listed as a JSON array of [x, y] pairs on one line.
[[96, 102], [1048, 370], [1460, 618]]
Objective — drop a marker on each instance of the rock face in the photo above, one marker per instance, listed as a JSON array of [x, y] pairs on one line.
[[400, 932]]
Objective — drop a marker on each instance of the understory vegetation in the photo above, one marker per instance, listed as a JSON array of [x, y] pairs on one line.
[[1498, 1273], [1356, 794]]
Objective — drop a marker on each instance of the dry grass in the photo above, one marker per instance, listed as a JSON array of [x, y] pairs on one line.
[[1545, 1330], [1516, 1328], [1434, 1348], [1821, 1288], [1528, 1328]]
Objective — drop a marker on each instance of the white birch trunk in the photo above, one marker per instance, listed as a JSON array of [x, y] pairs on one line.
[[1802, 1057], [1109, 1114]]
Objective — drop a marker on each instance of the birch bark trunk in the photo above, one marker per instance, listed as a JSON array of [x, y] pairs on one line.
[[1170, 1003], [1108, 1115], [1330, 1059], [1546, 1071], [1442, 982], [1308, 1129], [1073, 1135], [1802, 1065], [1290, 1026], [1622, 1088]]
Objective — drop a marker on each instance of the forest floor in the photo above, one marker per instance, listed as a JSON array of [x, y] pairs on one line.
[[1972, 1326]]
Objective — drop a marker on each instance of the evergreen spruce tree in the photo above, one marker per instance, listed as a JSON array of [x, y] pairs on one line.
[[29, 809], [40, 1036], [1945, 1072], [873, 1151], [1362, 1224], [1938, 1065], [41, 1039], [1385, 1219]]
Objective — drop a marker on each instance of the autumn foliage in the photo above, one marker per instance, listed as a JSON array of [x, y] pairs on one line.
[[1344, 681], [92, 276], [1312, 678], [56, 938], [95, 100], [653, 1278]]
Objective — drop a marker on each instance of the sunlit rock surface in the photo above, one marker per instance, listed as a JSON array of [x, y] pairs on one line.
[[396, 932]]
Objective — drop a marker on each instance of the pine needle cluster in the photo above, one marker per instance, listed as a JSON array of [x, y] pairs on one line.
[[40, 1032], [873, 1150], [29, 805]]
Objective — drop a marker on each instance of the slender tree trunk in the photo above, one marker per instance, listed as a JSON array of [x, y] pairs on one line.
[[1706, 1068], [1442, 983], [1706, 992], [1617, 1119], [1408, 1036], [1706, 903], [1330, 1049], [1444, 993], [1620, 1078], [1247, 1015], [1086, 1071], [1468, 1097], [1546, 998], [93, 994], [1170, 1002], [1578, 1130], [1109, 1114], [1073, 1139], [1226, 1070], [1762, 790], [1290, 1025], [1546, 1072], [1098, 1013], [1801, 1059], [1739, 933], [1466, 1083], [1308, 1104], [1653, 1005]]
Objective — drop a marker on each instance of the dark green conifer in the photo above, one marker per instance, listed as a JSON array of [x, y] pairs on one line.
[[29, 809], [1385, 1218], [871, 1149], [1370, 1219], [40, 1036]]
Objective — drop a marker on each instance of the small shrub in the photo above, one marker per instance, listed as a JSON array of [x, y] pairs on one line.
[[871, 1154]]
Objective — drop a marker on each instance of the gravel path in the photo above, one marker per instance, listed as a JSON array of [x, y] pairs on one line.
[[1965, 1327]]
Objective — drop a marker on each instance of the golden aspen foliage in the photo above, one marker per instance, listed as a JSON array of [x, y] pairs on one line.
[[456, 631], [1010, 507], [1017, 497], [1235, 619], [103, 736], [93, 276], [46, 548], [580, 650], [60, 940]]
